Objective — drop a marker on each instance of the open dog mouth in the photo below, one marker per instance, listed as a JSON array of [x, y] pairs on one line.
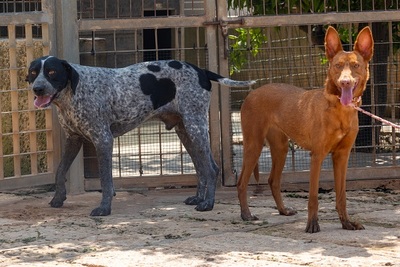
[[347, 96], [44, 101]]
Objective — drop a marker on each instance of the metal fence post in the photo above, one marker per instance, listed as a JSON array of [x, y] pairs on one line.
[[225, 121], [212, 44], [67, 47]]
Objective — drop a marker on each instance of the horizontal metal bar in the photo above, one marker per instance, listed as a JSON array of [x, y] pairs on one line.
[[389, 172], [140, 23], [353, 174], [24, 18], [11, 183], [238, 20], [145, 181], [320, 19], [254, 21]]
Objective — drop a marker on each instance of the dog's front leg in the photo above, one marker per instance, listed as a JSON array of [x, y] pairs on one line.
[[315, 170], [72, 146], [340, 160], [104, 146]]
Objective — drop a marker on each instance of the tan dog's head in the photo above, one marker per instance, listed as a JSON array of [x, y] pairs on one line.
[[348, 72]]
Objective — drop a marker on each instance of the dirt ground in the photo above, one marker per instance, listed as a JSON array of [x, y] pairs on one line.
[[155, 228]]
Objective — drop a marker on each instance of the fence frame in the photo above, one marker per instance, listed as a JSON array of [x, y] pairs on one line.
[[63, 27], [357, 177], [46, 19]]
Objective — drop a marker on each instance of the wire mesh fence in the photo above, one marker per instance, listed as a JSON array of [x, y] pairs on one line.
[[299, 7], [26, 144], [14, 6], [106, 9], [149, 149]]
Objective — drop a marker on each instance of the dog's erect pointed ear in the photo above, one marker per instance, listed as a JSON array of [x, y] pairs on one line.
[[365, 44], [333, 45], [73, 76]]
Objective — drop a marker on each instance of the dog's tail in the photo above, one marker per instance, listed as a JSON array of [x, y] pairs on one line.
[[226, 81]]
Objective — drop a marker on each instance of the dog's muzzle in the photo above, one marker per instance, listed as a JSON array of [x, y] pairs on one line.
[[42, 100], [347, 86]]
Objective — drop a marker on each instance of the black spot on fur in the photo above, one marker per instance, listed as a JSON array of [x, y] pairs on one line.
[[204, 81], [161, 91], [154, 68], [175, 64], [63, 73], [73, 76], [34, 70]]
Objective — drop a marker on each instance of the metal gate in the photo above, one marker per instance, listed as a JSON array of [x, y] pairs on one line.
[[117, 33], [29, 143], [292, 51]]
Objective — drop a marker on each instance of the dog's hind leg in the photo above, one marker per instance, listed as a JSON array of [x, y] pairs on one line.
[[252, 146], [193, 134], [279, 147]]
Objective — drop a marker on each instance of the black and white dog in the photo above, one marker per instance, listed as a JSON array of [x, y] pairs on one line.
[[98, 104]]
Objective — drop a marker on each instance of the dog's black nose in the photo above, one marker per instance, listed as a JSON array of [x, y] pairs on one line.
[[38, 90]]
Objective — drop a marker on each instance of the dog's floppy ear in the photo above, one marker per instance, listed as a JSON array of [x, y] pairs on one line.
[[333, 45], [365, 44], [73, 76]]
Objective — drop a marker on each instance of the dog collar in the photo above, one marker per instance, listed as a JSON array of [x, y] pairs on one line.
[[357, 99]]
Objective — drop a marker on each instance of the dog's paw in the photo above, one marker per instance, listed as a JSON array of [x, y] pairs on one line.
[[248, 217], [312, 227], [100, 211], [288, 212], [57, 202], [195, 200], [205, 206], [348, 225]]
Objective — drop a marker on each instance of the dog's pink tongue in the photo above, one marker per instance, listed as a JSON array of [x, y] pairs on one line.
[[347, 96], [42, 101]]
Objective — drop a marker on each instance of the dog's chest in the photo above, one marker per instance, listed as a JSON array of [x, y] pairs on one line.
[[346, 125], [70, 122]]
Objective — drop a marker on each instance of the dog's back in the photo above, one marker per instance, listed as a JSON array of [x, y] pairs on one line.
[[280, 103]]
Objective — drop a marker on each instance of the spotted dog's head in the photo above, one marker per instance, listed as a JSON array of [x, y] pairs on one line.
[[49, 76]]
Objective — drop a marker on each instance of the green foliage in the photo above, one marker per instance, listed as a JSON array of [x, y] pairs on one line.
[[396, 36], [246, 41]]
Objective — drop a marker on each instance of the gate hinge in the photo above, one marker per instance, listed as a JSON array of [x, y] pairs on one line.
[[224, 22], [224, 30]]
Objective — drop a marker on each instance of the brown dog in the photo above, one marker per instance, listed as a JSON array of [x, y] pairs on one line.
[[322, 121]]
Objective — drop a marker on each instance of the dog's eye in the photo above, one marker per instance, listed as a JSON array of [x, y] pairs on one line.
[[51, 72], [356, 65], [33, 72], [338, 66]]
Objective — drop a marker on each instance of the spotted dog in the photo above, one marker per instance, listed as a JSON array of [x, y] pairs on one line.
[[98, 104]]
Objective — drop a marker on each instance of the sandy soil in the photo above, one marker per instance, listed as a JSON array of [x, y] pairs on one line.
[[155, 228]]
